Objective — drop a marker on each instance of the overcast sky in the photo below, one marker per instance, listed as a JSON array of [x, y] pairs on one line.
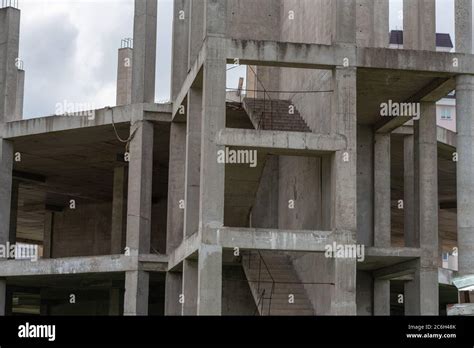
[[69, 49]]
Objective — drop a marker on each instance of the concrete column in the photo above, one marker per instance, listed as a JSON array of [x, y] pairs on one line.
[[176, 191], [464, 173], [422, 294], [326, 193], [411, 234], [136, 293], [9, 36], [48, 228], [215, 17], [365, 185], [20, 94], [193, 159], [344, 187], [372, 23], [196, 29], [173, 290], [14, 211], [6, 170], [463, 25], [124, 76], [213, 120], [180, 56], [381, 297], [344, 21], [3, 297], [144, 51], [140, 180], [209, 294], [382, 197], [119, 210], [190, 282], [428, 185], [114, 301], [419, 25]]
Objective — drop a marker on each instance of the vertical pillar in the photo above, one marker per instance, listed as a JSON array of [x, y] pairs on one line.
[[365, 185], [419, 25], [193, 159], [463, 25], [344, 217], [6, 169], [181, 20], [124, 76], [136, 293], [144, 51], [176, 187], [14, 211], [209, 294], [119, 211], [382, 197], [381, 297], [9, 36], [422, 293], [344, 21], [48, 234], [114, 301], [20, 94], [196, 29], [140, 182], [372, 23], [464, 173], [173, 291], [411, 234], [190, 282]]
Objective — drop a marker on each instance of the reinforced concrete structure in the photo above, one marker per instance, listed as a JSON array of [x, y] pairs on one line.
[[296, 198]]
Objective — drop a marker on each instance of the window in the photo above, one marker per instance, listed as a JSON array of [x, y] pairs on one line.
[[446, 113]]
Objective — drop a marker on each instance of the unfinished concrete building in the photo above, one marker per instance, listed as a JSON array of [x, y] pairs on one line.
[[133, 213]]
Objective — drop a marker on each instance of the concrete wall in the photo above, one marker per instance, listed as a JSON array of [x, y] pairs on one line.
[[265, 209], [299, 181], [257, 20]]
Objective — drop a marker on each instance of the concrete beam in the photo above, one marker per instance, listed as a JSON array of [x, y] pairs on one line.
[[279, 140], [397, 270], [159, 113], [188, 247], [10, 39], [273, 239], [144, 51], [287, 54], [74, 265]]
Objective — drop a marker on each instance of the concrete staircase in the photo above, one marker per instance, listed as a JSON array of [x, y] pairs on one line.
[[274, 115], [272, 279]]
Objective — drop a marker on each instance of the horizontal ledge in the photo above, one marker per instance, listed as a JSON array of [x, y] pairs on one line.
[[83, 265], [102, 117], [279, 140], [273, 239]]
